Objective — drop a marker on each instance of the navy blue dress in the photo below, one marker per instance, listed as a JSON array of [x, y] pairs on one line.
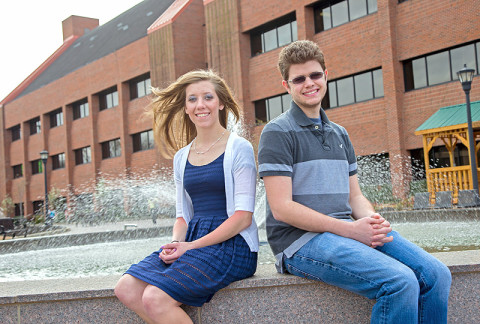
[[198, 274]]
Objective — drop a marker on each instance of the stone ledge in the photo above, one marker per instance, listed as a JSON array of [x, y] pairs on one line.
[[267, 297]]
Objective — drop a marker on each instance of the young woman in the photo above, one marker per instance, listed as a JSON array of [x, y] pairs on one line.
[[215, 238]]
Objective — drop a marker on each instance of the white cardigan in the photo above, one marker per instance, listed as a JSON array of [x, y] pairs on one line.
[[240, 183]]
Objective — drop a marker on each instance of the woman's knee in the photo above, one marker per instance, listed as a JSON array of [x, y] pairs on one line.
[[125, 290], [156, 301]]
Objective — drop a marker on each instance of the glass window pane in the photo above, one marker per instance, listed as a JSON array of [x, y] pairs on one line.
[[151, 141], [270, 40], [332, 94], [345, 91], [372, 6], [358, 8], [327, 18], [294, 31], [284, 35], [274, 107], [419, 73], [148, 86], [378, 83], [438, 67], [363, 86], [460, 56], [340, 13], [144, 140], [140, 89], [115, 99], [478, 59], [286, 101], [109, 101]]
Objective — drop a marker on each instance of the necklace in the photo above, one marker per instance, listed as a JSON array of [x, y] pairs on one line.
[[195, 144]]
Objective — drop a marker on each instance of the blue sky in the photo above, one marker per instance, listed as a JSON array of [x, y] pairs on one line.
[[31, 30]]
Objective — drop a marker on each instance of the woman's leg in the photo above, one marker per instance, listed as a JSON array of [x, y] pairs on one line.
[[434, 278], [129, 290], [161, 308]]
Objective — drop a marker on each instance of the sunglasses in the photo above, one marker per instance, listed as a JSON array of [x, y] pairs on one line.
[[301, 79]]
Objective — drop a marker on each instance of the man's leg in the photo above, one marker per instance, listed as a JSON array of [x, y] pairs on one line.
[[433, 277], [353, 266]]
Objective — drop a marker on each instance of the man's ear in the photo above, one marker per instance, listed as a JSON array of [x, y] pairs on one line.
[[286, 85]]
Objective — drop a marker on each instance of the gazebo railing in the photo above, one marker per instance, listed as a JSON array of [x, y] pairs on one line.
[[449, 179]]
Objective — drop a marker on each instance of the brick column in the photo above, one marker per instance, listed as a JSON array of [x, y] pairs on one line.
[[393, 89]]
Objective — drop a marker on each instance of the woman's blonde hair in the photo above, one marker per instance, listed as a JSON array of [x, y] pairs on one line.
[[172, 127]]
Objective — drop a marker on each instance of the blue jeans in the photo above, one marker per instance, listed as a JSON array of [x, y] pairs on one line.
[[409, 284]]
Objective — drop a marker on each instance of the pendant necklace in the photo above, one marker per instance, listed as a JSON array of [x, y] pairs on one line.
[[195, 144]]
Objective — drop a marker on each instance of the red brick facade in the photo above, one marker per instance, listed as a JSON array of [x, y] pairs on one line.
[[216, 33]]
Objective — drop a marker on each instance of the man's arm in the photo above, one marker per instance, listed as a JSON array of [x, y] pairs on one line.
[[284, 209]]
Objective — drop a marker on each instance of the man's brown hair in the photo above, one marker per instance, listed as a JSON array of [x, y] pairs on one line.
[[299, 52]]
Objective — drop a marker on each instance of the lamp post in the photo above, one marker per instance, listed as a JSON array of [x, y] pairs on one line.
[[465, 76], [44, 158]]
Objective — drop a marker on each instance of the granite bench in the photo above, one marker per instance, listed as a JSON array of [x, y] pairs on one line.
[[267, 297]]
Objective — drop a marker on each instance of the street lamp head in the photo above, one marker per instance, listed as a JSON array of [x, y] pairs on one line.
[[44, 155], [465, 75]]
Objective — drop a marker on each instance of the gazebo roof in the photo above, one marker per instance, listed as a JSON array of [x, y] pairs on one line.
[[450, 116]]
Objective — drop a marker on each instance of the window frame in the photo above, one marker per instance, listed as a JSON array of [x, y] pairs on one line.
[[104, 97], [112, 146], [257, 35], [137, 143], [265, 104], [326, 104], [35, 126], [17, 171], [56, 118], [145, 80], [409, 74], [82, 152], [80, 109], [37, 166], [319, 11], [15, 133], [58, 162]]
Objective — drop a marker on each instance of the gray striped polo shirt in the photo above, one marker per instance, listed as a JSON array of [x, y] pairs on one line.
[[318, 159]]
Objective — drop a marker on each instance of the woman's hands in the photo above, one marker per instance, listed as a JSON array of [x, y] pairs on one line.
[[172, 251]]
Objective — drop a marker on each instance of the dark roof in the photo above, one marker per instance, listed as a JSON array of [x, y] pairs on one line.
[[451, 115], [101, 41]]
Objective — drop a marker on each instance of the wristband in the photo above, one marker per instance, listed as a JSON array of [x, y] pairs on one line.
[[174, 241]]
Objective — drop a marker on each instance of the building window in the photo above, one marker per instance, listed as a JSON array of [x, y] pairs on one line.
[[268, 109], [58, 161], [329, 14], [274, 35], [111, 149], [143, 141], [56, 118], [15, 132], [140, 87], [108, 98], [35, 126], [19, 209], [440, 67], [360, 87], [17, 171], [83, 155], [37, 206], [80, 109], [37, 167]]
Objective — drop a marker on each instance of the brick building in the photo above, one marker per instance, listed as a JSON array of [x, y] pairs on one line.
[[391, 64]]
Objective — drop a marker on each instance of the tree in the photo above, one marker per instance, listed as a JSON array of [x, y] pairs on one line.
[[7, 206]]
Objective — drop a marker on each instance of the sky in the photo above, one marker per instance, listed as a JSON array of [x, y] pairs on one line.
[[31, 31]]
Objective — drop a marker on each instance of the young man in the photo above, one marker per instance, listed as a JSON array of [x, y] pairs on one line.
[[319, 224]]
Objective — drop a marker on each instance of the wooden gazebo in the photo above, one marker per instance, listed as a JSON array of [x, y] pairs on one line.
[[449, 125]]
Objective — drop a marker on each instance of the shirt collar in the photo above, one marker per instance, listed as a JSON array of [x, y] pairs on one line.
[[302, 119]]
